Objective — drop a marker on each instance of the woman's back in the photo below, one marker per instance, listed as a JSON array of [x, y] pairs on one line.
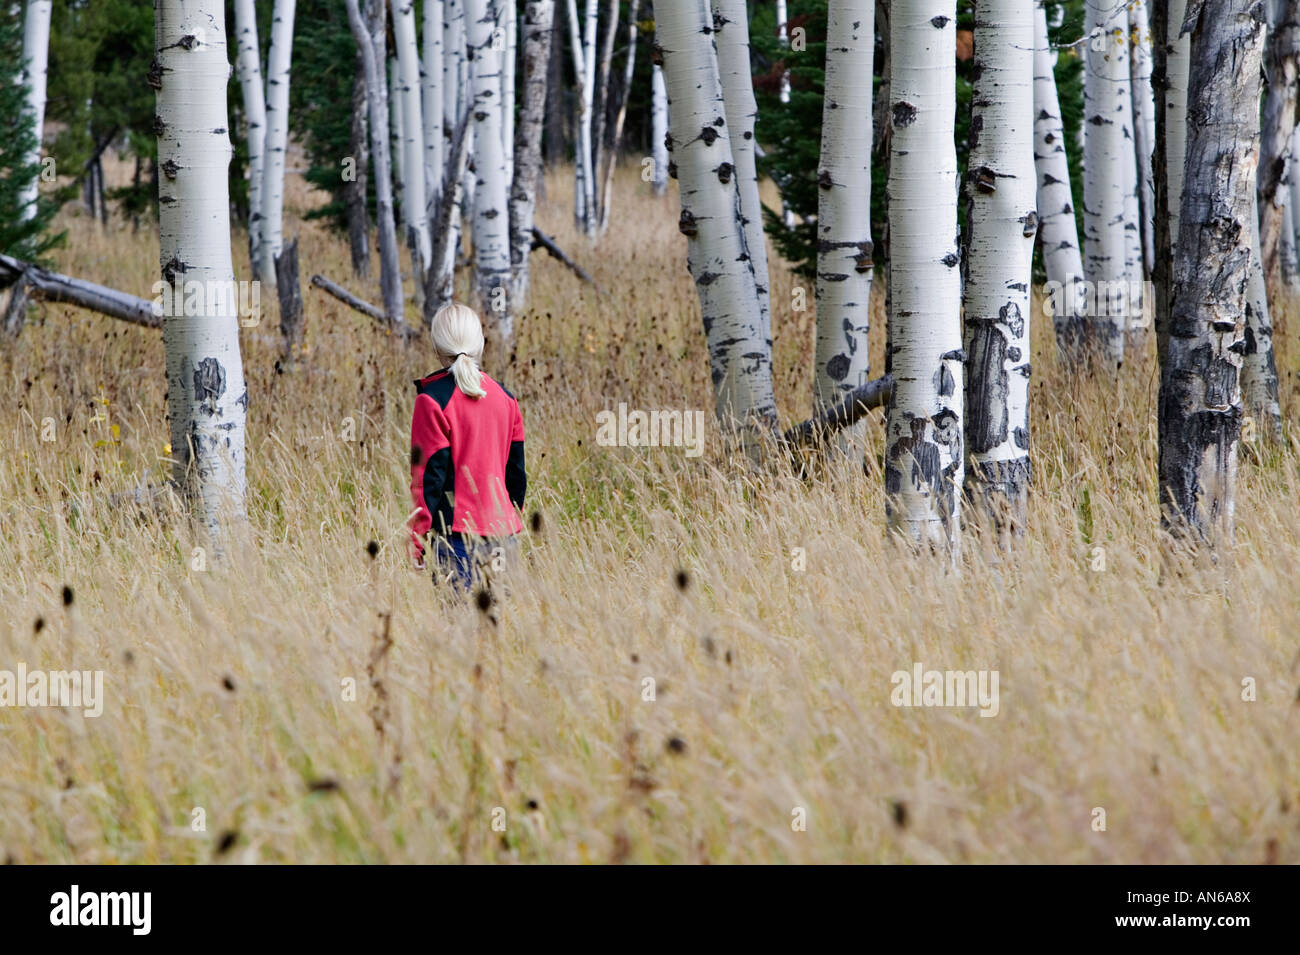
[[467, 460]]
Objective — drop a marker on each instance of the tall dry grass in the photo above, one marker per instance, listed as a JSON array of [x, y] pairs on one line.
[[1121, 688]]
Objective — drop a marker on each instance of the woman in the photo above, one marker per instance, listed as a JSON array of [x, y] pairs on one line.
[[467, 454]]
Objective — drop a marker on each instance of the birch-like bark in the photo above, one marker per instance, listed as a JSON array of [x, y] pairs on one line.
[[731, 40], [491, 211], [658, 130], [924, 450], [439, 284], [1293, 198], [206, 397], [1057, 229], [511, 27], [1277, 123], [1106, 105], [364, 32], [591, 31], [278, 59], [1144, 126], [616, 138], [783, 38], [1287, 262], [1170, 55], [453, 107], [1258, 365], [1200, 390], [1002, 223], [740, 354], [415, 209], [36, 55], [844, 249], [355, 190], [249, 68], [397, 134], [431, 34], [600, 112], [539, 21], [1134, 267], [583, 54]]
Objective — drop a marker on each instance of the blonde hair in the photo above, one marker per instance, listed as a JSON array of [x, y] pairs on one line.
[[458, 339]]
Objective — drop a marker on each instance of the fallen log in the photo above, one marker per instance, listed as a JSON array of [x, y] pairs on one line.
[[848, 412], [543, 241], [362, 306], [35, 282]]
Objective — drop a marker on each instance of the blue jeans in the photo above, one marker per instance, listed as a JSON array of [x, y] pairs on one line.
[[467, 562]]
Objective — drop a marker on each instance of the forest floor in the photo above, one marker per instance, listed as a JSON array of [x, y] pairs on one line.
[[253, 712]]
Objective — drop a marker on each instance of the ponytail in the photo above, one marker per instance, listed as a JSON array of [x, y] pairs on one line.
[[468, 377], [458, 338]]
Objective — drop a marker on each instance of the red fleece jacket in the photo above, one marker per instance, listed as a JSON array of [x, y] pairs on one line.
[[467, 460]]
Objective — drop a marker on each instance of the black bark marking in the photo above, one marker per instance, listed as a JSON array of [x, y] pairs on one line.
[[939, 22], [904, 114], [837, 369], [724, 172], [944, 382], [986, 399], [209, 384], [686, 224]]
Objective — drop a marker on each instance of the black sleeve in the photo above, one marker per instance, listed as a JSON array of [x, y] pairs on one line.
[[516, 476], [435, 496]]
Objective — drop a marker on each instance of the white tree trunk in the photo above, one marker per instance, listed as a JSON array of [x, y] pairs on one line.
[[1144, 125], [591, 32], [1177, 64], [1258, 364], [36, 54], [1200, 405], [740, 355], [453, 108], [1106, 105], [1288, 262], [397, 131], [1001, 221], [924, 456], [539, 21], [1057, 228], [366, 31], [731, 40], [206, 396], [511, 28], [249, 67], [1277, 124], [844, 249], [491, 211], [583, 57], [783, 38], [616, 139], [431, 35], [659, 130], [277, 137], [1293, 199], [415, 210], [1134, 268]]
